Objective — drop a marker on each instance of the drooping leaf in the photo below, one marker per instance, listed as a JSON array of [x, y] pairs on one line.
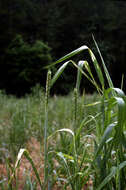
[[59, 72], [62, 130], [77, 51], [19, 157], [97, 68], [79, 75], [119, 92]]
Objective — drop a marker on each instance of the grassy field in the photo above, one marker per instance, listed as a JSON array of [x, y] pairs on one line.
[[23, 119], [76, 142]]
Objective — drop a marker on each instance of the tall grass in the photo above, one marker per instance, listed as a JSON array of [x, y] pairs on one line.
[[87, 147], [110, 136], [26, 111]]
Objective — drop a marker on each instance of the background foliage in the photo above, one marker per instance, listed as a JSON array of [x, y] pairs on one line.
[[25, 62], [64, 26]]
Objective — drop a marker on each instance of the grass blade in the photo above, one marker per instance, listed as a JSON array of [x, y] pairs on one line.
[[61, 155], [97, 68], [104, 138], [104, 66], [27, 155], [62, 130], [119, 92], [122, 81], [87, 76], [58, 73], [77, 51], [121, 118], [113, 172], [79, 75]]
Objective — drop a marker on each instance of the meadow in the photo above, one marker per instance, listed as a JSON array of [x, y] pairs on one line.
[[23, 119], [73, 142]]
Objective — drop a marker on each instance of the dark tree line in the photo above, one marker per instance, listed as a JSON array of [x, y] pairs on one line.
[[35, 32]]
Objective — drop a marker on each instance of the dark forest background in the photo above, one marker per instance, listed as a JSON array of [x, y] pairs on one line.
[[34, 33]]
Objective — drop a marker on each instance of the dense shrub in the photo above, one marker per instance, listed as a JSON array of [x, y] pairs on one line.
[[24, 63]]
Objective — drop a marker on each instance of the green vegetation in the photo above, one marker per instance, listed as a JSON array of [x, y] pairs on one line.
[[23, 118], [84, 135], [25, 62]]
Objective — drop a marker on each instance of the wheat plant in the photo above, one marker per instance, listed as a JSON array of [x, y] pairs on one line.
[[74, 154]]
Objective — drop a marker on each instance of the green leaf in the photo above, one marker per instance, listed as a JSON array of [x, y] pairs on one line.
[[79, 74], [59, 72], [67, 156], [119, 92], [121, 117], [104, 66], [26, 154], [87, 76], [97, 68], [62, 130], [123, 140], [113, 172], [82, 48], [62, 156], [104, 138], [121, 110]]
